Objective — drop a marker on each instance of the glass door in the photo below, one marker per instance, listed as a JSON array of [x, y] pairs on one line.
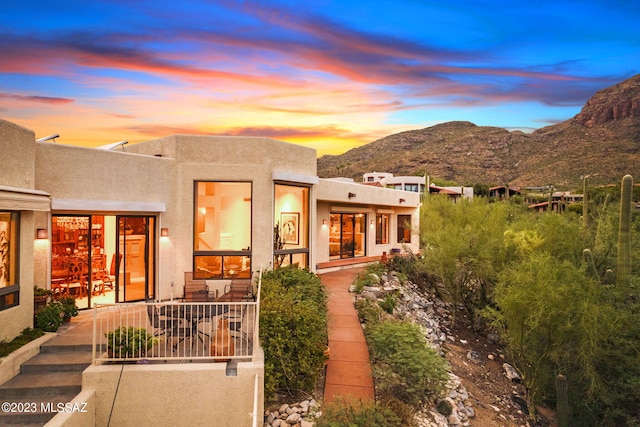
[[71, 244], [135, 257], [347, 236]]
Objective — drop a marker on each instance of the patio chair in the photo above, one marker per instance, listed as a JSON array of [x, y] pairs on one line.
[[195, 290], [238, 290], [169, 322]]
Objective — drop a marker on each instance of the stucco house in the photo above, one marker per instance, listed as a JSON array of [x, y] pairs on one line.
[[142, 217], [146, 213]]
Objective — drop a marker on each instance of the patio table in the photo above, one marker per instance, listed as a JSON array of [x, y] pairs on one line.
[[194, 314]]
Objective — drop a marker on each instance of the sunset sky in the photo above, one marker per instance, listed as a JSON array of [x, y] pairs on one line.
[[328, 74]]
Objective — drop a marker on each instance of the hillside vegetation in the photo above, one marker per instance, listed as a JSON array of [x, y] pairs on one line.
[[602, 141], [562, 293]]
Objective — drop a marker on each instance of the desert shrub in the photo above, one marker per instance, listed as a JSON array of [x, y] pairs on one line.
[[363, 279], [389, 303], [444, 407], [413, 268], [293, 331], [404, 366], [369, 312], [357, 413], [405, 412]]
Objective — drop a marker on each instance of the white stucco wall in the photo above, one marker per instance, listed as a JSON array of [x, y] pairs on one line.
[[247, 159], [192, 394], [17, 172], [333, 196]]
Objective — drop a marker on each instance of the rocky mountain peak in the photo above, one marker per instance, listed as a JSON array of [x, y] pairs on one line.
[[614, 103]]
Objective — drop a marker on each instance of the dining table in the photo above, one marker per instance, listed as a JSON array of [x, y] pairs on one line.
[[194, 314]]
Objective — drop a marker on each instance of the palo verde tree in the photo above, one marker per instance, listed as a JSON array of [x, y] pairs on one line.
[[462, 246]]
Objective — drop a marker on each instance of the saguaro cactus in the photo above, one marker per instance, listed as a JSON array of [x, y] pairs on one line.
[[587, 257], [562, 400], [623, 268], [585, 203]]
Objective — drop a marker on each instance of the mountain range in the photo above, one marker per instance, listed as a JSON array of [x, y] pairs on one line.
[[602, 142]]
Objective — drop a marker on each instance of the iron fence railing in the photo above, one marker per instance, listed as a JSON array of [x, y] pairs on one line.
[[178, 331]]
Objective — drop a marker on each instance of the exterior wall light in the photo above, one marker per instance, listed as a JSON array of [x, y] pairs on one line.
[[42, 234], [164, 232], [351, 195], [402, 200], [324, 222]]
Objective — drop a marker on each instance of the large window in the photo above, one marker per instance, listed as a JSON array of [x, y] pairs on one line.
[[382, 229], [291, 226], [404, 228], [9, 286], [222, 230]]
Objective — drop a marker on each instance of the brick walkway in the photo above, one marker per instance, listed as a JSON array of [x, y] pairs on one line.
[[349, 369]]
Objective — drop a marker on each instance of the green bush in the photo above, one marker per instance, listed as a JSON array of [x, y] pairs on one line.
[[357, 413], [369, 312], [126, 342], [389, 303], [49, 318], [69, 307], [25, 337], [293, 331], [364, 279], [404, 366]]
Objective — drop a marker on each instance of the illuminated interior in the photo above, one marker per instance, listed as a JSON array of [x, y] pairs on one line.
[[102, 259], [382, 229], [347, 237], [291, 226], [222, 234]]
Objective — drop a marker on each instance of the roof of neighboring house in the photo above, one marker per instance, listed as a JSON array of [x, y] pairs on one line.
[[441, 190]]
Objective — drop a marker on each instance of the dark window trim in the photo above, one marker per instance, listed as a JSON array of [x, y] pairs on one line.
[[197, 253], [14, 289]]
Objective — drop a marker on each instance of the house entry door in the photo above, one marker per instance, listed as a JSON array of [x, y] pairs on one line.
[[347, 236], [135, 256]]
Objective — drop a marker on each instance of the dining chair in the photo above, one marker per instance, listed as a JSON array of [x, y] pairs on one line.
[[169, 321]]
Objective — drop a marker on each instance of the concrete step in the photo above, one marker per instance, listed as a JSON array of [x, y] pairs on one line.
[[56, 362], [41, 384], [65, 348], [33, 411]]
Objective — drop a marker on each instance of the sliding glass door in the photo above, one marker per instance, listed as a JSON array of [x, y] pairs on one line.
[[347, 235], [134, 260]]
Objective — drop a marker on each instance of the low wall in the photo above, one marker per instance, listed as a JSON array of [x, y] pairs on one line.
[[193, 394], [80, 412], [10, 365]]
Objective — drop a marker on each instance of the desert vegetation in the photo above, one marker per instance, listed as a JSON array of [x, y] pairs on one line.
[[561, 290]]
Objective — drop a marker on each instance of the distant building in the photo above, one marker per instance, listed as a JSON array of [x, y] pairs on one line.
[[415, 184], [500, 192], [453, 192]]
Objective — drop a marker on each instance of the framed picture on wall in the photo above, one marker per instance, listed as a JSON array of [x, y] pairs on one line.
[[290, 222]]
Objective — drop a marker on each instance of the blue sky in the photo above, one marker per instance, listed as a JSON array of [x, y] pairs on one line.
[[327, 74]]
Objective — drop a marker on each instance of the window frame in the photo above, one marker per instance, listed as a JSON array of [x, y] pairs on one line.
[[223, 254], [288, 254], [10, 294], [382, 229], [402, 219]]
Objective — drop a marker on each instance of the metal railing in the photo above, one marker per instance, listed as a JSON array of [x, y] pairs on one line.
[[176, 331]]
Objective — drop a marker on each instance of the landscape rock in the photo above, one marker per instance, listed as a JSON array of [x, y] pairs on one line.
[[510, 372]]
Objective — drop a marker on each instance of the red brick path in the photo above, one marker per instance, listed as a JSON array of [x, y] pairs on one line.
[[349, 369]]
